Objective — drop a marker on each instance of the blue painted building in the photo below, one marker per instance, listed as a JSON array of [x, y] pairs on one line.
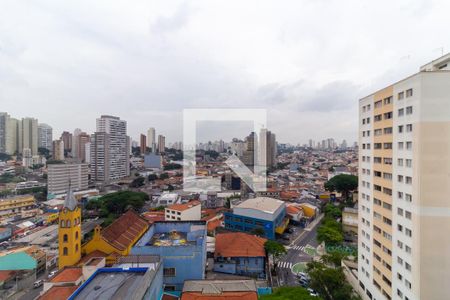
[[261, 212], [182, 248]]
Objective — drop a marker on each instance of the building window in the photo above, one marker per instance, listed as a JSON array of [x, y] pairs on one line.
[[169, 272], [408, 145], [409, 128], [68, 223], [63, 223], [400, 129], [388, 100], [409, 110], [65, 238], [76, 235], [409, 93], [401, 95], [401, 112], [388, 115], [76, 248], [65, 251], [378, 104]]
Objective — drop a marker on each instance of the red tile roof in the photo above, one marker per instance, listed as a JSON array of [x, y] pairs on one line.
[[125, 230], [6, 275], [223, 296], [182, 207], [58, 293], [70, 274], [291, 209], [153, 216], [239, 244], [212, 225]]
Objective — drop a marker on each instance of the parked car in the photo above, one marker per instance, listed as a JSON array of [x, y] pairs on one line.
[[38, 283], [290, 230], [303, 275], [303, 282], [312, 292], [52, 273]]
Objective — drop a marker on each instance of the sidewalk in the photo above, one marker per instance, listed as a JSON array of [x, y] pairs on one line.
[[314, 223]]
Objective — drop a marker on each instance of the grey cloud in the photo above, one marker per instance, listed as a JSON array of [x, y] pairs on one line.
[[334, 96]]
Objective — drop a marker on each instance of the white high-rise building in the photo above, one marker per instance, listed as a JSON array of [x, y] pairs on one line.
[[58, 150], [27, 158], [75, 149], [29, 135], [110, 150], [151, 139], [404, 211], [61, 175], [45, 136]]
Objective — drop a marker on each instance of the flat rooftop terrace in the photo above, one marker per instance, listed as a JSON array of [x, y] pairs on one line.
[[172, 238], [111, 285]]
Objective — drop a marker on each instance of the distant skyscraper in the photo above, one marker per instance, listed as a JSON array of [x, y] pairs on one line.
[[12, 135], [75, 147], [267, 148], [151, 139], [161, 144], [110, 150], [143, 144], [3, 121], [45, 136], [58, 150], [30, 135], [66, 137], [79, 141]]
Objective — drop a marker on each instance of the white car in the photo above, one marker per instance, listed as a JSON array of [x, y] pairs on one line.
[[52, 273], [312, 292]]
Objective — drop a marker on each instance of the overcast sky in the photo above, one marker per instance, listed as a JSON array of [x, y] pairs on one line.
[[307, 62]]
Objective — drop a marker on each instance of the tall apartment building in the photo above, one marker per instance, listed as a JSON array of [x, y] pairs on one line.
[[161, 144], [58, 150], [61, 175], [267, 148], [404, 139], [45, 136], [66, 137], [29, 135], [12, 135], [143, 144], [151, 139], [79, 141], [110, 150], [3, 120]]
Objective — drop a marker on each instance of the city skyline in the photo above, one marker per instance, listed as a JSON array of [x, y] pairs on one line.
[[142, 74]]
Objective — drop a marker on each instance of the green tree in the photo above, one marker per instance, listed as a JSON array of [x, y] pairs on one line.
[[5, 157], [275, 249], [333, 258], [332, 211], [163, 176], [152, 177], [115, 204], [343, 184], [289, 293], [44, 152], [330, 232], [259, 231], [172, 166], [330, 283], [137, 182]]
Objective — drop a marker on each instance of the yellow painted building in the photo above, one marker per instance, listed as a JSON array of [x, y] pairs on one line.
[[118, 238], [69, 232]]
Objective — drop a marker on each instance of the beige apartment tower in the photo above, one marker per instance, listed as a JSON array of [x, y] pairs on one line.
[[404, 211]]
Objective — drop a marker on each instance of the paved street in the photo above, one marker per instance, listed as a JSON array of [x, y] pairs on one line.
[[301, 250]]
